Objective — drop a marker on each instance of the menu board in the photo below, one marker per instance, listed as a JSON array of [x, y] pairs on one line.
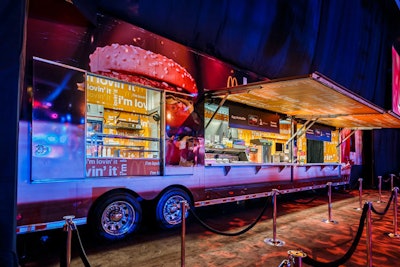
[[319, 134], [253, 119]]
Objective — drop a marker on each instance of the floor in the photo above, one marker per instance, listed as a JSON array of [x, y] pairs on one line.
[[300, 227]]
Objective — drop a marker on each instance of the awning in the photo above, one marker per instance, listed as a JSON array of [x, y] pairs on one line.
[[312, 97]]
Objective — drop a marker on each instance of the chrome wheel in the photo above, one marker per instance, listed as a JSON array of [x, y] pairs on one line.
[[115, 216], [172, 210], [118, 218], [168, 210]]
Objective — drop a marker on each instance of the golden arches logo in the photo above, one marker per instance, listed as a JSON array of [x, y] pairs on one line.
[[232, 82]]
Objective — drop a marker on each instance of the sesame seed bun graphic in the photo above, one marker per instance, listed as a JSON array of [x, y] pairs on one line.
[[134, 64]]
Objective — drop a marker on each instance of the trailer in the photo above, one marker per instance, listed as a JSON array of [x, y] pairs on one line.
[[125, 122]]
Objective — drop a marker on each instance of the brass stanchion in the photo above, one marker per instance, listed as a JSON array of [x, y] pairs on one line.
[[395, 233], [329, 220], [273, 241], [380, 190], [360, 194], [69, 226], [184, 206], [369, 235]]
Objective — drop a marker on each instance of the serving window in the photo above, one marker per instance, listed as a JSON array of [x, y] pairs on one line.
[[123, 131], [238, 134]]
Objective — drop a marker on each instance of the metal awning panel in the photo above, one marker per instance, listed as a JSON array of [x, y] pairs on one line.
[[313, 96], [385, 120]]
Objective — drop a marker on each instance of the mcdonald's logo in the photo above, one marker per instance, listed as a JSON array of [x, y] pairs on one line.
[[232, 81]]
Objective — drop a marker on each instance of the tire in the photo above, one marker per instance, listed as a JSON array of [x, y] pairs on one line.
[[116, 217], [168, 209]]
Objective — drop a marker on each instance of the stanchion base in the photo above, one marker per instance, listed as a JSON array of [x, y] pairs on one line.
[[297, 253], [276, 242], [393, 235], [330, 221]]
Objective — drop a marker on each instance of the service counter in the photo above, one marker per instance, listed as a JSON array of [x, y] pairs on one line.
[[283, 171], [251, 180]]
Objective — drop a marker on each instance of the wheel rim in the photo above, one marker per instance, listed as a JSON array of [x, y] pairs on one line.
[[118, 218], [172, 210]]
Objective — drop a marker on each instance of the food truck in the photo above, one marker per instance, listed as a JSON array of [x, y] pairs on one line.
[[118, 117]]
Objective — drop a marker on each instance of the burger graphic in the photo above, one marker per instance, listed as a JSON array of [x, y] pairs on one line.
[[136, 65]]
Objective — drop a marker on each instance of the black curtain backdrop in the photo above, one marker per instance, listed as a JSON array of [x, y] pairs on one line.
[[386, 153], [11, 36], [347, 41]]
